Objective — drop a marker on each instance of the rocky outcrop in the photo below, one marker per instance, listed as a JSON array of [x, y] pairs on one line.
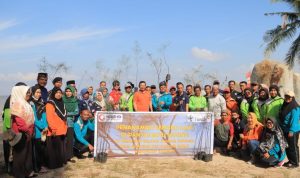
[[273, 72]]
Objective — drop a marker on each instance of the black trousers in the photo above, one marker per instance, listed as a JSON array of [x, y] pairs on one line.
[[39, 156], [80, 148], [69, 143], [6, 152], [55, 151], [292, 151], [22, 155], [219, 143]]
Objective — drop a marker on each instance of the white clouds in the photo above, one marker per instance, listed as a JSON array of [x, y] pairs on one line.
[[7, 24], [19, 76], [206, 54], [24, 41]]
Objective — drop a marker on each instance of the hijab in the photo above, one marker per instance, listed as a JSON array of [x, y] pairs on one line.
[[71, 103], [38, 103], [287, 108], [276, 88], [268, 139], [19, 106], [264, 98], [58, 104], [102, 102], [254, 124]]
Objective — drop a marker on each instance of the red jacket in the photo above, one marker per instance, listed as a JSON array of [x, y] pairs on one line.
[[116, 95], [19, 125]]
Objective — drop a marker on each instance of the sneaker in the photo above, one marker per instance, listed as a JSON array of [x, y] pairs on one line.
[[251, 161], [71, 161], [280, 164], [43, 170], [291, 166], [81, 156], [90, 155]]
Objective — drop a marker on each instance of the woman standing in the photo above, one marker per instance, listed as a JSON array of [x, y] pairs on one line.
[[289, 122], [99, 103], [22, 122], [57, 125], [40, 128], [71, 104]]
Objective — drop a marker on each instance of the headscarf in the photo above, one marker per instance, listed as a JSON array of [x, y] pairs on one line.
[[276, 88], [287, 108], [254, 122], [19, 106], [102, 102], [71, 103], [58, 104], [266, 96], [7, 102], [38, 103], [249, 100], [268, 137]]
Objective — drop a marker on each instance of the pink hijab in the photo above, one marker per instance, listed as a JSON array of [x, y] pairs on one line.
[[19, 106]]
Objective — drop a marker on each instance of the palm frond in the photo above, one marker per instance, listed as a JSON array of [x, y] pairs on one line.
[[291, 16], [293, 52], [275, 36], [295, 4]]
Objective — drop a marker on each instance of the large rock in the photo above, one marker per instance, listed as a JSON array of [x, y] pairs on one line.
[[273, 72]]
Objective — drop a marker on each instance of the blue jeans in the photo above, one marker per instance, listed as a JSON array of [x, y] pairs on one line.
[[252, 145]]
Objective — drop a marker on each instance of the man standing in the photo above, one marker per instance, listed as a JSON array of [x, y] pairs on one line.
[[198, 102], [181, 100], [207, 89], [42, 80], [216, 103], [234, 94], [255, 88], [71, 83], [126, 101], [231, 104], [189, 90], [57, 82], [142, 99], [163, 101]]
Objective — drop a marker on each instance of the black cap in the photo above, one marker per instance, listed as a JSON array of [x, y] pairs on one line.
[[216, 82], [153, 87], [71, 82], [42, 74], [163, 83], [56, 79], [20, 84]]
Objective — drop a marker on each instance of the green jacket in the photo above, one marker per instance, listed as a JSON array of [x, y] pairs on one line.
[[245, 109], [261, 107], [6, 119], [197, 102], [273, 107], [126, 102]]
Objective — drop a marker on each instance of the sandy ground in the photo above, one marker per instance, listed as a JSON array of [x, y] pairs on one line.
[[180, 167]]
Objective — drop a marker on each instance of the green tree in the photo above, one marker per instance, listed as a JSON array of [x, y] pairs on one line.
[[286, 31]]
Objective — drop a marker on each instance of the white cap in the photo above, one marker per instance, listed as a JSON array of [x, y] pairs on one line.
[[290, 93]]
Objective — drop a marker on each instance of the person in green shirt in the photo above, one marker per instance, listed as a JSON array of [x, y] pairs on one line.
[[126, 100], [274, 103], [197, 102]]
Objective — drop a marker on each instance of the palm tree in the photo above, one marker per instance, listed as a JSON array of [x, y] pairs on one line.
[[286, 31]]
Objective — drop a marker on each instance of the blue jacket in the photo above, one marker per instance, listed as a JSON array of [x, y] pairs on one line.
[[291, 122], [276, 152], [85, 104], [39, 124], [81, 128], [162, 97]]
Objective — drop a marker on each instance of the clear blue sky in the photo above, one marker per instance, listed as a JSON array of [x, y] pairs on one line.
[[225, 37]]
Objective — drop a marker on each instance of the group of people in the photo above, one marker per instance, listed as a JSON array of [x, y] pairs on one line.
[[46, 129]]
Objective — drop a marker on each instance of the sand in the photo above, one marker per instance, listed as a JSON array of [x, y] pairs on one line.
[[177, 167]]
